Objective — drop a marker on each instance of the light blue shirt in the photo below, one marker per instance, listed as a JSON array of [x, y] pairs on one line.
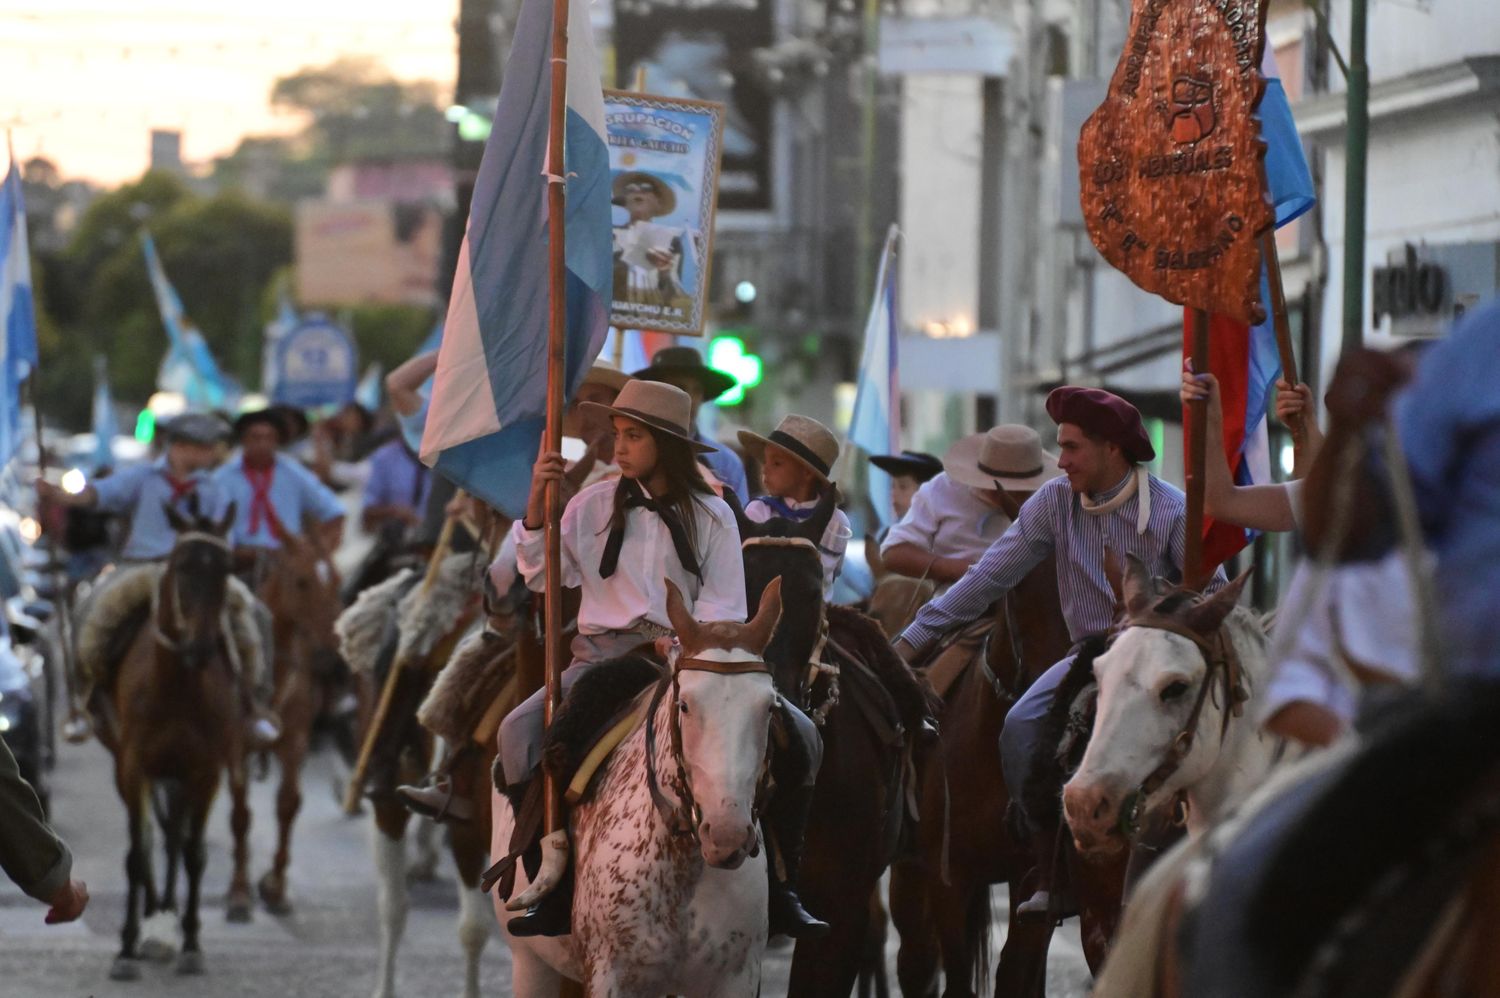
[[296, 496], [1449, 425], [141, 491], [727, 468]]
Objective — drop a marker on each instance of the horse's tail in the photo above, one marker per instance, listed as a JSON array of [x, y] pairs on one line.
[[977, 939]]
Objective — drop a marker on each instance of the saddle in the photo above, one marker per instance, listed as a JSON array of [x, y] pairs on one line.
[[1408, 816]]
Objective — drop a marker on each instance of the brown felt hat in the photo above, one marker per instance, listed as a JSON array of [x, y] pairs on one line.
[[658, 405], [1010, 454], [606, 374], [806, 439]]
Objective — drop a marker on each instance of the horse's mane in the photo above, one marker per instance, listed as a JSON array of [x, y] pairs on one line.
[[862, 636]]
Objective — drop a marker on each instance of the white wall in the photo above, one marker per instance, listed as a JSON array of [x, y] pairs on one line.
[[1408, 35]]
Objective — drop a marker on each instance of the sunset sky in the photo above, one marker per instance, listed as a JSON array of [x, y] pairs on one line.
[[84, 81]]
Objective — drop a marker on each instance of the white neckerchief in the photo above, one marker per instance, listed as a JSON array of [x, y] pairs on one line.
[[1136, 482]]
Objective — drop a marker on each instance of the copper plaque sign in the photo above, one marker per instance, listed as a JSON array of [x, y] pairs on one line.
[[1171, 163]]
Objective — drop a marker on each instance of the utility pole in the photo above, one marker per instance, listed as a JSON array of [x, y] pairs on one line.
[[1355, 170]]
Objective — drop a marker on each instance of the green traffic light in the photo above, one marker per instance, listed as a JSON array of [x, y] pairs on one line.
[[145, 426]]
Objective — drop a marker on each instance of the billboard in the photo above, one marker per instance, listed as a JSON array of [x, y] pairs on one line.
[[704, 50], [314, 364], [375, 252], [664, 168]]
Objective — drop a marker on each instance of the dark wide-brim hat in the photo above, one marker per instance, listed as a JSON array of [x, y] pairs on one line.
[[658, 405], [1103, 415], [919, 465], [195, 428], [273, 417], [685, 361], [664, 194]]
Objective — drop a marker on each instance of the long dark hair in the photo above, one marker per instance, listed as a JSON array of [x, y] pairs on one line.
[[685, 484]]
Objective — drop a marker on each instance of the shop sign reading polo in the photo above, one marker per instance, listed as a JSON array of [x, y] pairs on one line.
[[1173, 185]]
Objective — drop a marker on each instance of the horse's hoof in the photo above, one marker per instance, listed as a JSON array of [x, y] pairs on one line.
[[125, 969], [278, 907], [239, 910], [159, 937], [190, 964]]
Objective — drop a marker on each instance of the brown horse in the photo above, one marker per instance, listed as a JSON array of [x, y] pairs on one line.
[[940, 898], [300, 586], [867, 710], [176, 725]]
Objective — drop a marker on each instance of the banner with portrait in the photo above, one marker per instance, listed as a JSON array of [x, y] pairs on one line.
[[664, 155]]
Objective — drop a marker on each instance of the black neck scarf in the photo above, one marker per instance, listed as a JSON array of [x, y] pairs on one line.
[[635, 496]]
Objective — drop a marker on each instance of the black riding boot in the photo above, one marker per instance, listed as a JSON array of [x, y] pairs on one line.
[[553, 914], [785, 821]]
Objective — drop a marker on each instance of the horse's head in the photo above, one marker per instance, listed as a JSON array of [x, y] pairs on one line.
[[724, 699], [196, 582], [302, 587], [788, 550], [1167, 685]]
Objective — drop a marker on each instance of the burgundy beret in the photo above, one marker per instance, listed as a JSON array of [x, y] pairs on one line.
[[1104, 415]]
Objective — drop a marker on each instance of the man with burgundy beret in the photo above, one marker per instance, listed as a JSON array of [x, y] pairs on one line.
[[1105, 500]]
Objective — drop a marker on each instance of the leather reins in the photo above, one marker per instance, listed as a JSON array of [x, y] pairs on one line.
[[1223, 668], [683, 817]]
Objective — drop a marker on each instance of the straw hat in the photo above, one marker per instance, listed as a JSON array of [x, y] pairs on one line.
[[1010, 454], [806, 439], [660, 406], [664, 194], [606, 374]]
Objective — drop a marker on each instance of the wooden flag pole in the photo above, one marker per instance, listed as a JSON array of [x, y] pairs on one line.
[[557, 327], [1281, 323], [1193, 575]]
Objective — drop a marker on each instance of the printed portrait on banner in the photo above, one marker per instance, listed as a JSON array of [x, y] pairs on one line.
[[664, 158]]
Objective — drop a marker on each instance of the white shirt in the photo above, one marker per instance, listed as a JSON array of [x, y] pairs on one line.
[[636, 591], [831, 548], [1364, 611], [949, 520]]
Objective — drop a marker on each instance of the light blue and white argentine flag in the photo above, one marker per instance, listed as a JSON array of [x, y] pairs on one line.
[[189, 367], [104, 426], [875, 424], [17, 314], [485, 417]]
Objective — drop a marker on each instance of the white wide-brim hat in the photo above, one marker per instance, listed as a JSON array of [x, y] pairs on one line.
[[1010, 454]]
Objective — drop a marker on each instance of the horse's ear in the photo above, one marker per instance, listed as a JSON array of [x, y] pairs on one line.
[[194, 508], [1115, 573], [682, 621], [814, 526], [1137, 588], [744, 523], [873, 559], [176, 520], [222, 527], [1206, 617], [761, 628]]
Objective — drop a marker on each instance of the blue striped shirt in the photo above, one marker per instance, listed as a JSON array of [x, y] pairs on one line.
[[1053, 522]]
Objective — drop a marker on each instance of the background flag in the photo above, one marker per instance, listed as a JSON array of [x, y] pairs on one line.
[[1245, 359], [104, 427], [17, 315], [875, 423], [486, 412], [189, 367]]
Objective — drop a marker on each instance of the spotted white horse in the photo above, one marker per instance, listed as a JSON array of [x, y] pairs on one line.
[[670, 894]]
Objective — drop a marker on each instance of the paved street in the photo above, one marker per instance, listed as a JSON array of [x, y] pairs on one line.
[[326, 947]]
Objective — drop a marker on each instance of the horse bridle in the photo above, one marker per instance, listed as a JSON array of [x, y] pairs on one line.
[[1223, 666], [175, 605], [683, 817]]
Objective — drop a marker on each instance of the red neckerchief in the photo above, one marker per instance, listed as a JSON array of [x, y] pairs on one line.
[[260, 498], [180, 486]]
